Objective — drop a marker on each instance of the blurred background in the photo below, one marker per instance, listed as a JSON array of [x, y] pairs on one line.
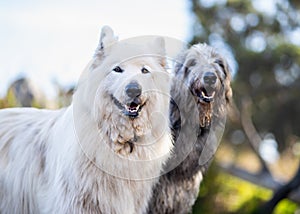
[[46, 44]]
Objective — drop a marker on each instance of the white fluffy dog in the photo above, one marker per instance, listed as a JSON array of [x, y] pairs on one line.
[[103, 153]]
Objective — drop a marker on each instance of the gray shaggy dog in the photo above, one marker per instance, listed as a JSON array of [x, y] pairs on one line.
[[200, 93]]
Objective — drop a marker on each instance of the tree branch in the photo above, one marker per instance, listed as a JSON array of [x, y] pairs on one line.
[[281, 193]]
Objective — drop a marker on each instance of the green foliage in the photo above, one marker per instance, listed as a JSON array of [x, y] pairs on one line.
[[286, 207], [10, 101], [223, 193]]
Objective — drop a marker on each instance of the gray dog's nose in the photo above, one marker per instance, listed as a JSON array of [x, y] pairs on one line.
[[210, 78], [133, 89]]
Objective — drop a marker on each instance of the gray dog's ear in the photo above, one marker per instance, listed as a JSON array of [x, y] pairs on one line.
[[226, 69], [189, 62], [184, 62], [107, 38]]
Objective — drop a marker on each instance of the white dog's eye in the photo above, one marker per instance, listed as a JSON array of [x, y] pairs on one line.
[[118, 69], [145, 70]]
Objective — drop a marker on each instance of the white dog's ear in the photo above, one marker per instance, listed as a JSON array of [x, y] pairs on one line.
[[107, 38], [158, 47]]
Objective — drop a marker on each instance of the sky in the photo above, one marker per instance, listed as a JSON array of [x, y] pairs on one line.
[[53, 40]]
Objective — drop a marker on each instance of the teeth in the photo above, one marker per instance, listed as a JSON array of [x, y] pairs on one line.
[[132, 110], [208, 97]]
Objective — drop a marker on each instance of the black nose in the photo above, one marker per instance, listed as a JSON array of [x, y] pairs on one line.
[[210, 78], [133, 89]]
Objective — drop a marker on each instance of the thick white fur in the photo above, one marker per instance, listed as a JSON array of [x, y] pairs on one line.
[[76, 160]]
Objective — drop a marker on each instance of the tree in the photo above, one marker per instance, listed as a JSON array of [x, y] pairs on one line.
[[264, 37], [262, 41]]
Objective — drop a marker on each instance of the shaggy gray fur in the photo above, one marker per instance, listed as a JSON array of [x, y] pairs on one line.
[[178, 189]]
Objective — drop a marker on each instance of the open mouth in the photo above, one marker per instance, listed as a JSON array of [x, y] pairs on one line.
[[206, 95], [131, 109]]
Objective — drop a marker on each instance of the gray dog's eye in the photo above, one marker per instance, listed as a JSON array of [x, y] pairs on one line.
[[118, 69], [145, 70]]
